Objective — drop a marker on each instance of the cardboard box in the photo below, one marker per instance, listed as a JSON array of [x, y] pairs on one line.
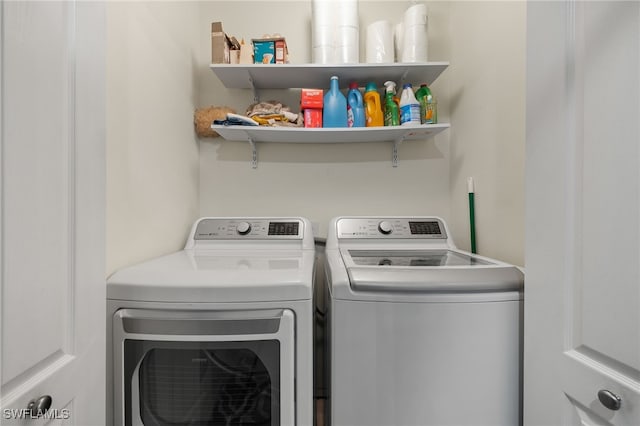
[[313, 117], [270, 50], [311, 98], [220, 45], [235, 51]]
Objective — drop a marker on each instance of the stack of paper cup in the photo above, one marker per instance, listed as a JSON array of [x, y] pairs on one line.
[[379, 43], [335, 31], [414, 40]]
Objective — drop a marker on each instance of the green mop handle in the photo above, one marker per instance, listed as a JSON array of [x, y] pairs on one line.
[[472, 214]]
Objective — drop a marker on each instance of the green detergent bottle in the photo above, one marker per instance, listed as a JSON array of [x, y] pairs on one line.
[[391, 109], [428, 106]]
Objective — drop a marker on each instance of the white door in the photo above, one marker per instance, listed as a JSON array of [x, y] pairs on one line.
[[52, 310], [582, 288]]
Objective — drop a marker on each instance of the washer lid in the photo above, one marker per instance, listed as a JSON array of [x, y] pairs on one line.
[[218, 276], [414, 258], [428, 271]]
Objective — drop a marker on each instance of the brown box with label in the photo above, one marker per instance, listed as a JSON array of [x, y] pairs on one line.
[[220, 45]]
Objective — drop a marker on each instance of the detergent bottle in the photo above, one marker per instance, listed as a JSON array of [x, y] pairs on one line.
[[355, 107], [428, 114], [391, 109], [372, 106], [409, 107], [334, 113]]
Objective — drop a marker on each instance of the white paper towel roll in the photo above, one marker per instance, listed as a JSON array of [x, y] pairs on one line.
[[379, 48], [415, 44], [323, 35], [345, 12], [347, 45], [415, 15], [324, 54], [397, 41], [335, 26], [321, 12], [415, 36]]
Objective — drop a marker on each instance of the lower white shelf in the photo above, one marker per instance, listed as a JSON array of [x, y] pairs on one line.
[[396, 134], [331, 135]]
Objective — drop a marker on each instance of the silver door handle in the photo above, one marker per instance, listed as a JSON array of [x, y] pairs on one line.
[[609, 399], [39, 406]]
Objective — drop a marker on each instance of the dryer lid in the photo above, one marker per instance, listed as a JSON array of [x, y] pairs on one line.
[[211, 276]]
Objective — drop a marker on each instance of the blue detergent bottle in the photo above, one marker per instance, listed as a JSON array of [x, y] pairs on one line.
[[355, 107], [334, 113]]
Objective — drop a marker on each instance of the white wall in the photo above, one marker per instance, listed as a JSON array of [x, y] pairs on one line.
[[159, 180], [487, 86], [152, 153], [481, 94], [316, 181]]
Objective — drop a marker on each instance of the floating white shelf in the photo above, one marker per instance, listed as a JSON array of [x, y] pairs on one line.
[[396, 134], [287, 76], [324, 135]]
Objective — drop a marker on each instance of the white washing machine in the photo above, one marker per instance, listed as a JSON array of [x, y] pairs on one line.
[[419, 333], [219, 333]]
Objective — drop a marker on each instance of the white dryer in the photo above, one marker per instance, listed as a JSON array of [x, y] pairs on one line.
[[217, 333], [419, 332]]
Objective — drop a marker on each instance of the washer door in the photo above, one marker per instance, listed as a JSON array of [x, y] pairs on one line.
[[190, 367]]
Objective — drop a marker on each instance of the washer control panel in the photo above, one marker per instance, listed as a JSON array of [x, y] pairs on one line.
[[250, 229], [412, 228]]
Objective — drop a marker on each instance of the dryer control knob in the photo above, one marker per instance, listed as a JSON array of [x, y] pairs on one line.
[[385, 227], [243, 228]]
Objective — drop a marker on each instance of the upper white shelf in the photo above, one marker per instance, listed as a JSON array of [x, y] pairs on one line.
[[287, 76]]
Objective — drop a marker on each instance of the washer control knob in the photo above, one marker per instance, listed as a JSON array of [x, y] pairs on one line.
[[243, 228], [385, 227]]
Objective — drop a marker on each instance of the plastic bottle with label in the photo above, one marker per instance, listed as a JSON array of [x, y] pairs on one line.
[[428, 111], [409, 107], [355, 107], [391, 109], [334, 113], [373, 106]]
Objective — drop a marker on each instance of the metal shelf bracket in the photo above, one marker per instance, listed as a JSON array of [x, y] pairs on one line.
[[256, 95], [254, 154], [394, 155]]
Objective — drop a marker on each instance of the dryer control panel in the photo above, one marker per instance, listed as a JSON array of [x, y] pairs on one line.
[[405, 228], [249, 229]]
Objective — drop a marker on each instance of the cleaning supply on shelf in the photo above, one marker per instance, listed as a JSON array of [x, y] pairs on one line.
[[391, 108], [409, 107], [372, 106], [334, 113], [428, 110], [311, 103], [355, 107]]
